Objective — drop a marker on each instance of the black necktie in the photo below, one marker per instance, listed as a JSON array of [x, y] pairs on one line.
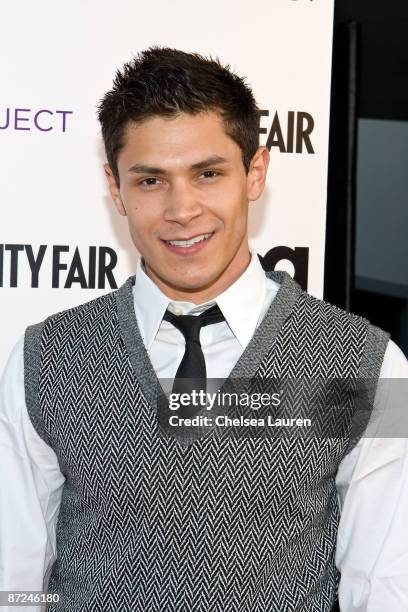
[[191, 373]]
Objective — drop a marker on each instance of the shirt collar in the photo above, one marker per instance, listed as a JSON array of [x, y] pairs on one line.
[[241, 303]]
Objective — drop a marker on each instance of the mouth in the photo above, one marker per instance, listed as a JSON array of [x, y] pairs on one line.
[[190, 245]]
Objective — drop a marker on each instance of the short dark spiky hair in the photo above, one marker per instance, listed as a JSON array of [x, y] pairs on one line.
[[164, 81]]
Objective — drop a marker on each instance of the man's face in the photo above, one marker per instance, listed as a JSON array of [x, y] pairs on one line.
[[185, 192]]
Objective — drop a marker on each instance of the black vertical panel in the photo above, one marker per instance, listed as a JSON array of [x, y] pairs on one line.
[[339, 253]]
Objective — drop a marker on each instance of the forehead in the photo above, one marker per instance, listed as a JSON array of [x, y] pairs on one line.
[[183, 137]]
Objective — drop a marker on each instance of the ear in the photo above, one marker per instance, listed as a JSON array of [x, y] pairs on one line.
[[114, 190], [257, 173]]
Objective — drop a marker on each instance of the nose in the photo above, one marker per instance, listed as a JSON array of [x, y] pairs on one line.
[[183, 203]]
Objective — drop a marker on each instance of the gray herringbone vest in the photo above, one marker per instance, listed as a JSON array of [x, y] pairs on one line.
[[221, 524]]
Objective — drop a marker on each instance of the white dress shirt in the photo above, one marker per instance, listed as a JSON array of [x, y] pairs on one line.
[[372, 480]]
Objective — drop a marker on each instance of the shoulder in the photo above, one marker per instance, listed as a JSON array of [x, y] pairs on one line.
[[328, 314], [82, 317], [347, 320], [354, 332], [305, 304], [91, 308]]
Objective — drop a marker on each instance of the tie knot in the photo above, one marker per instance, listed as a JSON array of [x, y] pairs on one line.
[[190, 325]]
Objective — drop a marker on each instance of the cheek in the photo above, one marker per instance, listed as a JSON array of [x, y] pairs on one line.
[[229, 204], [236, 214], [144, 216]]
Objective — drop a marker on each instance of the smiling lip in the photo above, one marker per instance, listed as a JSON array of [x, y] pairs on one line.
[[188, 249]]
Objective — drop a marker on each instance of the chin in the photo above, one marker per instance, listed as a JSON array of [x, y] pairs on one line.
[[191, 285], [195, 283]]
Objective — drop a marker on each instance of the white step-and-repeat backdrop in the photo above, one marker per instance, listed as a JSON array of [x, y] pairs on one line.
[[62, 242]]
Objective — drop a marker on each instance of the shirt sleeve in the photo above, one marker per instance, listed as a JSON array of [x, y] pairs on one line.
[[30, 490], [372, 485]]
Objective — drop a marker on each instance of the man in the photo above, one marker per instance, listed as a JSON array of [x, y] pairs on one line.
[[155, 519]]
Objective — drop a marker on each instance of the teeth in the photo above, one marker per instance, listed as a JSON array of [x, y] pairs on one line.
[[188, 243]]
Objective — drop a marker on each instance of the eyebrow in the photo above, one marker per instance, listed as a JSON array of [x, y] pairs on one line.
[[210, 161]]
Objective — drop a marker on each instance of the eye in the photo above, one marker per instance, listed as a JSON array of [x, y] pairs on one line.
[[210, 173], [150, 181]]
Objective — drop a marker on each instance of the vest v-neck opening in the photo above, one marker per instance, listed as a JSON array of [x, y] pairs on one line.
[[249, 361]]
